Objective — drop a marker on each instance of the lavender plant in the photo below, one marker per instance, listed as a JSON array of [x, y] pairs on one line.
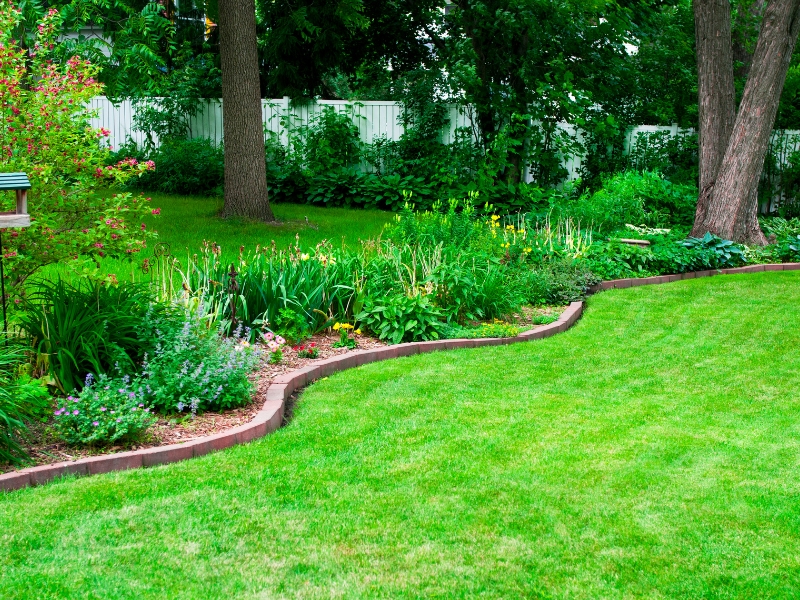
[[197, 370]]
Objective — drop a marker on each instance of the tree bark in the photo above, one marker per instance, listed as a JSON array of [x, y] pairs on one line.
[[716, 94], [243, 130], [733, 203]]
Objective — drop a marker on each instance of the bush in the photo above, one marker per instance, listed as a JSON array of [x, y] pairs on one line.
[[191, 167], [558, 282], [197, 370], [107, 410], [632, 198]]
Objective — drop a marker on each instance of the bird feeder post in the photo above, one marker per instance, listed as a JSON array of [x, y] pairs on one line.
[[19, 183]]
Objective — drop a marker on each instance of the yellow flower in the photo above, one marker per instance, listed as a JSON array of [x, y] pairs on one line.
[[358, 332], [337, 327], [495, 218], [346, 326], [510, 227], [304, 257], [528, 249]]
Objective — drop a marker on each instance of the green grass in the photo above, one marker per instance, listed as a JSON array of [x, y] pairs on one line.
[[186, 221], [650, 452]]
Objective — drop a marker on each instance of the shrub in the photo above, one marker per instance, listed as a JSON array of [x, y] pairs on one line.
[[402, 318], [107, 410], [557, 282], [192, 166], [46, 134], [788, 248], [197, 370], [630, 197]]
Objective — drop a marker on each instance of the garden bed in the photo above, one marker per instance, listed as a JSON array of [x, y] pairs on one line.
[[44, 446]]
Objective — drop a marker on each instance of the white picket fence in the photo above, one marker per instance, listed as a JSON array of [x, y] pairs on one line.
[[373, 119]]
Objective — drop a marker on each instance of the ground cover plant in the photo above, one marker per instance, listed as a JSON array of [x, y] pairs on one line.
[[647, 452]]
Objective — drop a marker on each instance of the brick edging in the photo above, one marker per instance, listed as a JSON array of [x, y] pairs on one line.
[[637, 281], [270, 417]]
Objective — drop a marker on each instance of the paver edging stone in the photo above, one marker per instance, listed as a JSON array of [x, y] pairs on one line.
[[270, 417]]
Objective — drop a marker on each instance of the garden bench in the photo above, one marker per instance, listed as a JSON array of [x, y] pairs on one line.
[[19, 183]]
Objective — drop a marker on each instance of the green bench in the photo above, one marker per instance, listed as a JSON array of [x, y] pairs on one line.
[[19, 183]]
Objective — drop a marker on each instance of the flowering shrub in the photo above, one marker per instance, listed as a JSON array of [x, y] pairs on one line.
[[45, 132], [106, 411], [193, 369], [307, 351]]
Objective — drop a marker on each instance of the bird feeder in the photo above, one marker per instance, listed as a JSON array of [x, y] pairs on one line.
[[18, 182]]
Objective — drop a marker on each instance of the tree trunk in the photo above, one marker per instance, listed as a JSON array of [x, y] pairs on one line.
[[733, 203], [715, 91], [243, 130]]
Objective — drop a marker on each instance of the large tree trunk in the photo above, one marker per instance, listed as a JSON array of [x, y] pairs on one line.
[[733, 204], [715, 91], [243, 129]]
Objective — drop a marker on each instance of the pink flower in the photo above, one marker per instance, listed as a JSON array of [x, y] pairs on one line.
[[103, 409], [144, 226], [156, 211], [75, 412], [95, 423], [98, 245]]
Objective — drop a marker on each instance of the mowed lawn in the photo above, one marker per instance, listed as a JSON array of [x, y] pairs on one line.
[[653, 451], [186, 221]]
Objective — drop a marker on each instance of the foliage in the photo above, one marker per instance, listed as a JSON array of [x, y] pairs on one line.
[[558, 282], [21, 399], [190, 166], [74, 219], [197, 370], [788, 248], [89, 327], [632, 198], [315, 286], [495, 329], [724, 253], [108, 410], [401, 318]]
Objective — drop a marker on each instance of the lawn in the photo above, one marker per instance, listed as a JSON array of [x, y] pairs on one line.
[[185, 221], [650, 452]]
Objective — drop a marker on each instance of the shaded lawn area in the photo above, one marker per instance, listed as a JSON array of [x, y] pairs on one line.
[[650, 452], [186, 221]]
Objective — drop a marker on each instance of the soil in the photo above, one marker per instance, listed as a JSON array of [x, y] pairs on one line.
[[44, 446]]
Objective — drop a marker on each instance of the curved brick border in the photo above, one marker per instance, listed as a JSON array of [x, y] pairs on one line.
[[270, 417]]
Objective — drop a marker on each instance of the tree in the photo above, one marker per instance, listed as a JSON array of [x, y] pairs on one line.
[[245, 162], [728, 202]]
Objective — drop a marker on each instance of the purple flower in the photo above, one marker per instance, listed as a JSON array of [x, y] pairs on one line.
[[103, 409], [75, 400], [131, 395], [57, 412], [119, 420], [141, 405], [147, 410], [75, 412], [95, 423]]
